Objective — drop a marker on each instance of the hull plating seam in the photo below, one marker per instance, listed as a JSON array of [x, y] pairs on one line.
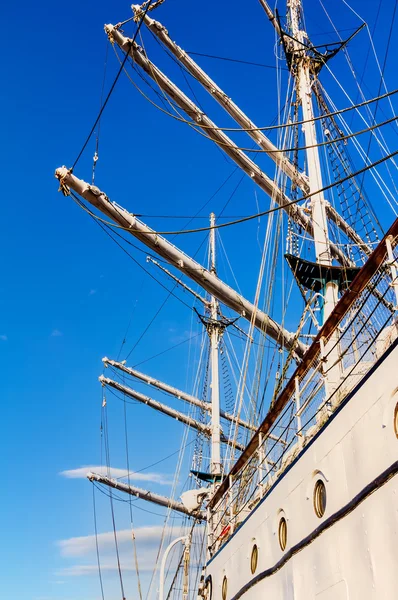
[[380, 480]]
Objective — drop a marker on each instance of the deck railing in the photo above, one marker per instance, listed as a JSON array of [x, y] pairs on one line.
[[362, 326]]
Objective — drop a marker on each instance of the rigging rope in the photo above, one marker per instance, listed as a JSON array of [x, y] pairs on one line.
[[137, 570], [107, 455], [249, 217], [99, 222], [253, 129], [96, 155], [97, 547], [382, 78], [219, 143], [111, 89]]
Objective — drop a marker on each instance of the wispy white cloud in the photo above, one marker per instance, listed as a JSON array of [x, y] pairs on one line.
[[92, 569], [56, 333], [84, 547], [3, 338], [81, 473]]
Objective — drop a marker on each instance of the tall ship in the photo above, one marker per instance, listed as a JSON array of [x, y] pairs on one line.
[[291, 423]]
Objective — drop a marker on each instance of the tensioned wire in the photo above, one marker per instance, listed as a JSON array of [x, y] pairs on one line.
[[334, 140], [99, 222], [137, 570], [385, 147], [379, 180], [381, 184], [285, 138], [287, 406], [327, 142], [183, 68], [373, 49], [256, 215], [374, 134], [219, 143], [270, 127], [112, 88], [184, 445], [245, 365], [382, 80]]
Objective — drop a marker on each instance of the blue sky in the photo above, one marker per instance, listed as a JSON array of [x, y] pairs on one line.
[[68, 292]]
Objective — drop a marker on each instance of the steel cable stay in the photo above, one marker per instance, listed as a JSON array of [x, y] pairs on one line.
[[254, 491], [267, 127], [267, 184], [97, 547], [244, 371], [190, 219], [371, 34], [94, 216], [382, 143], [379, 180], [248, 217], [347, 326], [382, 80], [195, 126], [137, 570], [108, 465], [185, 444], [97, 120], [340, 162]]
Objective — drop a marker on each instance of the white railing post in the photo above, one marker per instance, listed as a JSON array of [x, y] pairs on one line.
[[393, 268], [298, 413], [261, 459]]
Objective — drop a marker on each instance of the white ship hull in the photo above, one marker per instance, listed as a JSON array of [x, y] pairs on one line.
[[349, 553]]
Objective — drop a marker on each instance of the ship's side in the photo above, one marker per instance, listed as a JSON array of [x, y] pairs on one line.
[[349, 552], [297, 494]]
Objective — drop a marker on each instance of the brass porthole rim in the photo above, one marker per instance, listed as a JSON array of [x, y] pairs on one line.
[[224, 588], [320, 498], [254, 559], [282, 533]]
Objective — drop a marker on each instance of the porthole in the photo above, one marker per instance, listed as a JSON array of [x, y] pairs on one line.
[[208, 592], [319, 498], [396, 420], [282, 533], [254, 559], [224, 588]]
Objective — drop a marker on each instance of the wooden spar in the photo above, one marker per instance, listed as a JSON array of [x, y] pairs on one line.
[[158, 384], [219, 137], [146, 495], [175, 392], [270, 15], [359, 283], [257, 135], [166, 410], [181, 261], [205, 302], [221, 97]]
